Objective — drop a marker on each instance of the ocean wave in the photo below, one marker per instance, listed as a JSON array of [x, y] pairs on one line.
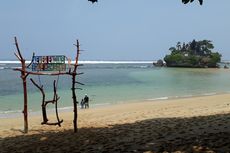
[[209, 94], [182, 96], [11, 62], [116, 66], [13, 111], [66, 108], [10, 111], [16, 67], [114, 62], [145, 66], [103, 104], [160, 98], [185, 96]]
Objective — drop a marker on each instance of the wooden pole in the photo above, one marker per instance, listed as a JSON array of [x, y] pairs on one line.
[[23, 77], [73, 87], [25, 111], [74, 103], [44, 115], [45, 102]]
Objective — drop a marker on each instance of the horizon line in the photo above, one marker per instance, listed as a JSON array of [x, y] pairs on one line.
[[89, 61]]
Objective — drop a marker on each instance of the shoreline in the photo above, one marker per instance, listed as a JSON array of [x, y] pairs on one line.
[[190, 124], [185, 100], [17, 113]]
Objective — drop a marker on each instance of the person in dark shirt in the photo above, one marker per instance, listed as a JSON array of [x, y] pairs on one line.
[[86, 101]]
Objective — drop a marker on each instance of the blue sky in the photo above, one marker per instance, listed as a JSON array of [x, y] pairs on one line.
[[111, 29]]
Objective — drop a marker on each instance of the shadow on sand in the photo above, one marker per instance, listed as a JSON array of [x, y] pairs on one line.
[[196, 134]]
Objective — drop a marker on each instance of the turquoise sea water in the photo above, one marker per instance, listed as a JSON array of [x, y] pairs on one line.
[[113, 83]]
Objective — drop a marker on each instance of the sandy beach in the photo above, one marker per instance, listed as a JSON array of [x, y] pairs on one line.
[[196, 124]]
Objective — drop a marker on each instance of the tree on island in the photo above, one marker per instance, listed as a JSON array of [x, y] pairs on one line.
[[193, 54]]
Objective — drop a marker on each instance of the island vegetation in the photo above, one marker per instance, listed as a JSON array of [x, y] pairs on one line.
[[196, 54]]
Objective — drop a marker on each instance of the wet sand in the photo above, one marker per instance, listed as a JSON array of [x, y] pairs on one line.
[[196, 124]]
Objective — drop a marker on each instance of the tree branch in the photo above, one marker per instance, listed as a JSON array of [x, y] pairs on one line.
[[19, 52]]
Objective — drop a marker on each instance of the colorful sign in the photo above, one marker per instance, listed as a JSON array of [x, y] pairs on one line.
[[49, 63]]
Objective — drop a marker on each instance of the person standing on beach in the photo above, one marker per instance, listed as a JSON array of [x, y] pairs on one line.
[[86, 101], [82, 103]]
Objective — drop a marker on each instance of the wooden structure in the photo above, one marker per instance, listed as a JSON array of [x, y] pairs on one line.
[[45, 102], [25, 73]]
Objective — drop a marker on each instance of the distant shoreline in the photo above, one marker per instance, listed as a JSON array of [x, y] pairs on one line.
[[103, 62], [89, 62]]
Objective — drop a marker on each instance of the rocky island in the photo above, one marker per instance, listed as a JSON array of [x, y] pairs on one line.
[[195, 54]]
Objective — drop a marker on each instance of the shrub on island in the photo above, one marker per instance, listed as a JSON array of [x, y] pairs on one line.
[[195, 54]]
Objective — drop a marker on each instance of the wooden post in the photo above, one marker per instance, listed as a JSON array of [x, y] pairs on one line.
[[44, 115], [74, 102], [23, 77], [25, 111], [74, 73], [45, 102]]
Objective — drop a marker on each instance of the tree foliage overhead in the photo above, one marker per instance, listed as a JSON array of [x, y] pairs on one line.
[[193, 54], [187, 1], [93, 1], [183, 1]]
